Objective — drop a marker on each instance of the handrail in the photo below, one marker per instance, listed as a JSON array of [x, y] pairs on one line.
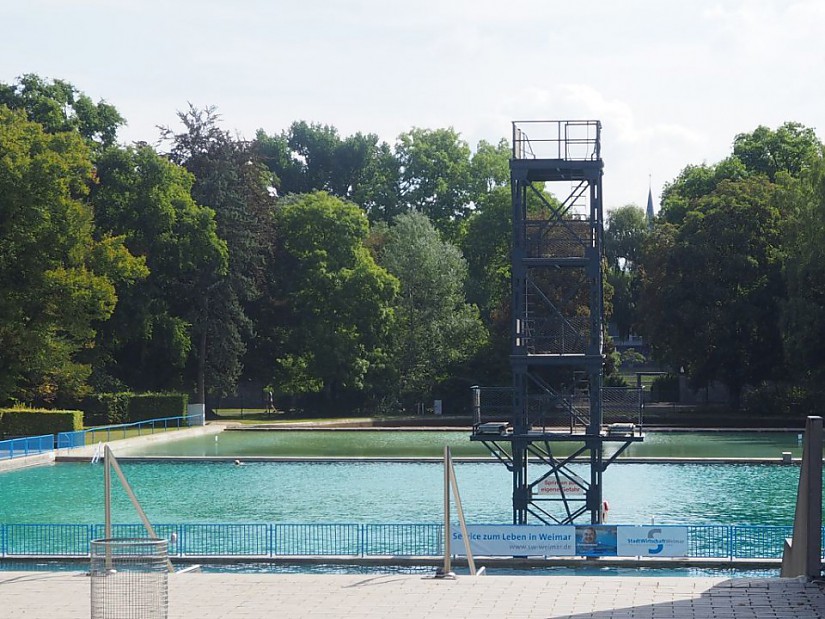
[[565, 140], [32, 445]]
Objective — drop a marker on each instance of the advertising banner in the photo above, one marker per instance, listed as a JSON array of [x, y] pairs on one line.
[[492, 540], [652, 541], [597, 540]]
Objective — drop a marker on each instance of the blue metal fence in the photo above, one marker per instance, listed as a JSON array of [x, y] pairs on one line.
[[353, 540], [32, 445], [148, 426], [26, 446]]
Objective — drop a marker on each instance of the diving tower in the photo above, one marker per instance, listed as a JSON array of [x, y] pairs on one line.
[[557, 415]]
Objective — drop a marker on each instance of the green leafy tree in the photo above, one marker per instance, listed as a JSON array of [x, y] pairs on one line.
[[56, 279], [486, 245], [489, 169], [436, 329], [624, 235], [147, 199], [712, 287], [58, 107], [791, 148], [334, 300], [803, 315], [436, 176], [313, 157]]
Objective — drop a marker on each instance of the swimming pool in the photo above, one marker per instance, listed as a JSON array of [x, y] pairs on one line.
[[363, 492], [417, 443]]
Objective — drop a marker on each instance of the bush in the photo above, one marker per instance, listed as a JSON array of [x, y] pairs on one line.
[[782, 400], [631, 358], [615, 380], [36, 422]]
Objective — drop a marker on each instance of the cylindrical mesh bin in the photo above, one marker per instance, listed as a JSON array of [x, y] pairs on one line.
[[130, 578]]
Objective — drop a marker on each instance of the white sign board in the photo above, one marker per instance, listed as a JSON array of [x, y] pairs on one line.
[[652, 541], [492, 540], [570, 483], [555, 487]]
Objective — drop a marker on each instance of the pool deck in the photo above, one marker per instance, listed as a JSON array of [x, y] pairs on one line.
[[256, 596]]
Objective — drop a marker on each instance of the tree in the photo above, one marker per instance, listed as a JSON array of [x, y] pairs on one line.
[[58, 107], [624, 234], [313, 157], [436, 176], [147, 199], [436, 329], [231, 180], [695, 182], [792, 148], [489, 169], [334, 300], [55, 277], [711, 287], [803, 313]]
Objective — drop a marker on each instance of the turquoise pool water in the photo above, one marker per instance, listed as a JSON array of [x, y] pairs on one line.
[[203, 492], [339, 443]]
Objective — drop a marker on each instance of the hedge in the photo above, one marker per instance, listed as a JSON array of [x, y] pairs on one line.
[[156, 405], [101, 409], [125, 407], [37, 422]]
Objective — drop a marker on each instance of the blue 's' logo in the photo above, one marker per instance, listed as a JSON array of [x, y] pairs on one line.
[[659, 547]]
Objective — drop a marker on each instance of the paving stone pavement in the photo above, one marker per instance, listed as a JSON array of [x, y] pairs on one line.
[[66, 595]]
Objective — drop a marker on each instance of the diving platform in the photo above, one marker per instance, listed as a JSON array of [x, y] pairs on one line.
[[557, 397]]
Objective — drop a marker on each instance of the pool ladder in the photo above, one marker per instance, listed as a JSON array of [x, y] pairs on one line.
[[98, 453]]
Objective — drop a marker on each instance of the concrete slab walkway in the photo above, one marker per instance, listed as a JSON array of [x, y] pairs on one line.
[[65, 595]]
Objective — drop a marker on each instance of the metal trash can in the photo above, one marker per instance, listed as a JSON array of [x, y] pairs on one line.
[[130, 578]]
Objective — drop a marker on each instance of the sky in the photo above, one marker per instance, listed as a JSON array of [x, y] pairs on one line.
[[671, 82]]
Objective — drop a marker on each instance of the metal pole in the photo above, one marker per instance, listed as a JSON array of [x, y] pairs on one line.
[[446, 570], [460, 511]]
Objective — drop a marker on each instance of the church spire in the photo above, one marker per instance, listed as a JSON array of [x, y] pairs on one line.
[[650, 206]]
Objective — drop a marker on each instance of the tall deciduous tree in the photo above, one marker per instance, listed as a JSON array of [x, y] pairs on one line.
[[436, 329], [313, 157], [791, 148], [624, 235], [58, 107], [712, 287], [436, 176], [55, 277], [146, 198], [335, 301], [803, 316]]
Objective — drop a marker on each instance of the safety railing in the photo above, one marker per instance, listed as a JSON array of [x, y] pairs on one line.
[[33, 445], [567, 140], [139, 428], [26, 446], [720, 542], [91, 436]]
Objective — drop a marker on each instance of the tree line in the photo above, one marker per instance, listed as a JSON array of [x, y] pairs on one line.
[[346, 274], [338, 272], [727, 283]]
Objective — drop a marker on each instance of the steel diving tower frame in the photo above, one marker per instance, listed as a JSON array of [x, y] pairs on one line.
[[557, 333]]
